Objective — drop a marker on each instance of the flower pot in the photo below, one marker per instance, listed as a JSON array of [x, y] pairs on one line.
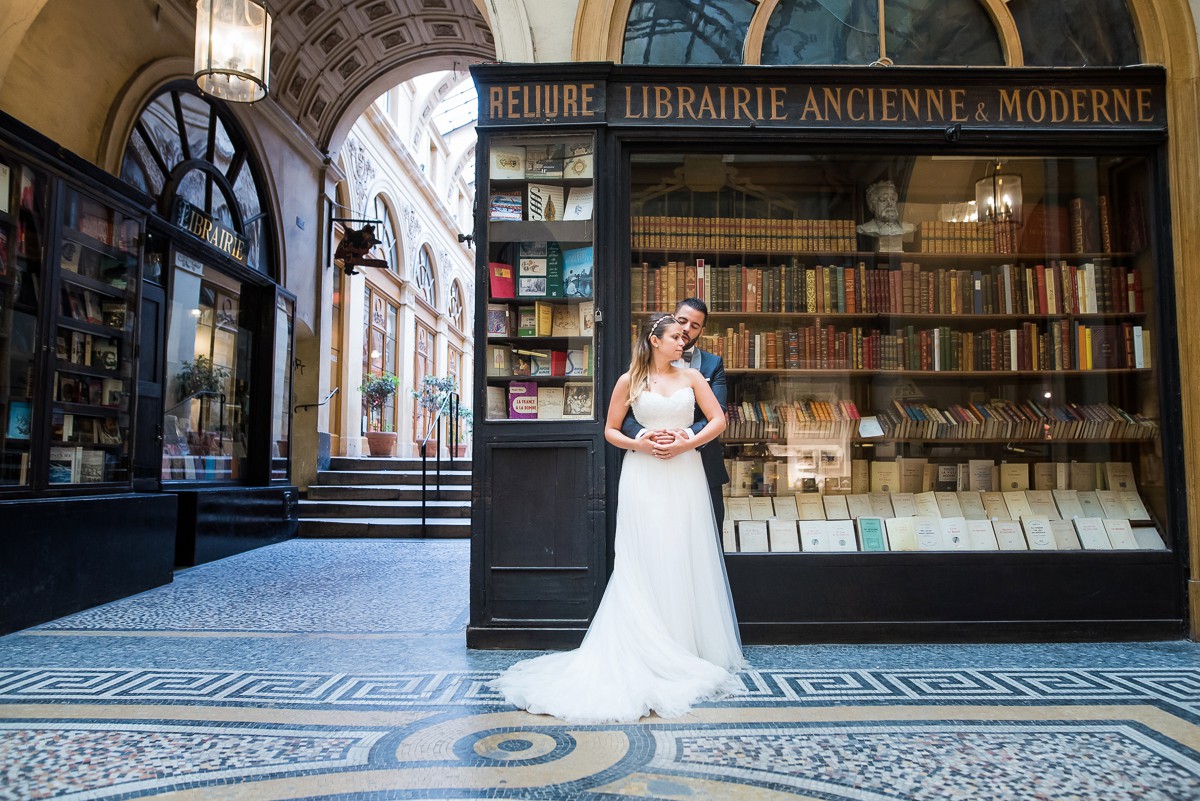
[[460, 451], [381, 443], [431, 448]]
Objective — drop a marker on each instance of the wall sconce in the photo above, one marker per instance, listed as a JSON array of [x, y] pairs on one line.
[[233, 49], [998, 196]]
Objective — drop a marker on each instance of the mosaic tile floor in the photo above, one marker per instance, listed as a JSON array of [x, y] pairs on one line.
[[337, 670]]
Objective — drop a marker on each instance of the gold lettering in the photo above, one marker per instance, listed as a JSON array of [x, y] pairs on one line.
[[552, 96], [958, 99], [721, 92], [706, 104], [934, 99], [588, 99], [1010, 104], [629, 115], [512, 101], [850, 104], [778, 95], [1121, 101], [495, 102], [810, 104], [687, 96], [1078, 109], [662, 102], [888, 96], [759, 93], [833, 96], [1144, 112], [1100, 105], [569, 100], [1040, 97], [1059, 106], [910, 98], [741, 102]]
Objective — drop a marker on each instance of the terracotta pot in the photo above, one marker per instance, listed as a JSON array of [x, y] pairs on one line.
[[381, 443], [460, 451], [431, 448]]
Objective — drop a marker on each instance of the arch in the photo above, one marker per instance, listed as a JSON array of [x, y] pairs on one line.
[[384, 210], [455, 306], [425, 275], [15, 19]]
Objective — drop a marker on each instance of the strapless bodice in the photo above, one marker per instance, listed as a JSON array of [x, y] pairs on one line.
[[676, 410]]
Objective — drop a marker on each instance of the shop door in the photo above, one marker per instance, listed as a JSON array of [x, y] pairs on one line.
[[147, 451], [424, 365]]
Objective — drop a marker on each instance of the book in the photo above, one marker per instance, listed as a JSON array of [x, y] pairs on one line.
[[522, 400], [928, 532], [871, 534], [1135, 510], [1009, 535], [752, 536], [1092, 534], [543, 318], [761, 508], [1090, 504], [954, 534], [579, 361], [1120, 534], [577, 272], [912, 473], [738, 508], [531, 286], [814, 536], [784, 538], [497, 404], [63, 465], [577, 159], [531, 267], [1148, 539], [498, 320], [785, 507], [1038, 534], [885, 477], [971, 504], [499, 360], [926, 504], [550, 402], [980, 472], [901, 534], [500, 280], [1111, 505], [1065, 538], [91, 466], [539, 364], [836, 507], [545, 202], [982, 536], [1119, 476], [809, 506], [728, 536], [526, 321], [881, 505], [544, 161], [587, 318], [1017, 504], [113, 315], [994, 505], [1083, 476], [578, 401], [579, 203], [1067, 501], [69, 259], [564, 321], [859, 505], [507, 162], [20, 420], [947, 503], [506, 206], [841, 537], [1014, 476], [1041, 503], [904, 504]]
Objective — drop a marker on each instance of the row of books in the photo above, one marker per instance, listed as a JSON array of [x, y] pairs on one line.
[[763, 476], [541, 319], [526, 400], [85, 430], [985, 236], [75, 464], [188, 467], [762, 235], [87, 350], [1055, 287], [568, 159], [542, 202], [1002, 419], [791, 420], [933, 534], [1066, 504], [545, 270], [85, 305], [1057, 345], [511, 360], [73, 388]]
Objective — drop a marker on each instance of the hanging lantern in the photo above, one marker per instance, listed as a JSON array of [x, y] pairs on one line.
[[233, 49], [998, 197]]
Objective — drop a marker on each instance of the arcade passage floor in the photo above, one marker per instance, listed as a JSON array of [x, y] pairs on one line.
[[337, 669]]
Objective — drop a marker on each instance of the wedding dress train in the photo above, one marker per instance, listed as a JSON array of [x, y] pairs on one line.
[[665, 635]]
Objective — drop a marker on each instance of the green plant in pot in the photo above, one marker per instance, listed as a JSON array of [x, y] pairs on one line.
[[198, 376], [431, 396], [376, 389]]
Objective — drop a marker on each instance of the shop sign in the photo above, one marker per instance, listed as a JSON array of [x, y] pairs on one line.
[[204, 227]]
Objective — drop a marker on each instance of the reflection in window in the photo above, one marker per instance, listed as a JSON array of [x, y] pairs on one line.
[[687, 31], [1076, 33], [455, 308], [206, 419], [386, 233], [919, 32], [424, 277], [281, 400]]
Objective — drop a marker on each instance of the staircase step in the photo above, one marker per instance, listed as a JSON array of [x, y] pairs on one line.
[[386, 492], [383, 509], [410, 477], [363, 527], [380, 463]]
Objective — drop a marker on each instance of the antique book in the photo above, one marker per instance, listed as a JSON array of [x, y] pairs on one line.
[[1014, 476], [1120, 534], [1067, 501], [971, 503], [982, 535], [500, 280], [1119, 476], [550, 402], [1083, 476], [809, 506], [1009, 535], [925, 504], [587, 318], [901, 534], [881, 504], [784, 538], [580, 200], [1090, 504], [980, 471], [507, 162], [1017, 505], [860, 476], [871, 534], [948, 505], [1045, 476], [499, 360], [785, 507], [1134, 508], [814, 536], [1038, 534], [544, 313], [912, 473], [841, 536], [527, 321], [498, 320], [836, 507], [752, 536], [577, 159], [579, 361], [928, 532], [885, 477], [1092, 534], [1065, 538], [497, 404], [761, 508], [522, 400], [859, 505], [1111, 505], [579, 400], [544, 161], [904, 504], [954, 534], [1041, 503], [738, 508]]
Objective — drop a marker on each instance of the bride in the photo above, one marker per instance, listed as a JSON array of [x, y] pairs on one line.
[[664, 636]]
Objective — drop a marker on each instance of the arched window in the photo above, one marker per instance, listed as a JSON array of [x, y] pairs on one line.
[[185, 146], [687, 31], [425, 277], [455, 307], [1076, 33], [390, 249]]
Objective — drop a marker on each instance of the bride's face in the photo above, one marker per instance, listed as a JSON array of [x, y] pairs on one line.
[[671, 343]]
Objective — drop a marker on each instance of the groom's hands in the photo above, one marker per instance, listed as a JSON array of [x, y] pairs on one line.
[[669, 442]]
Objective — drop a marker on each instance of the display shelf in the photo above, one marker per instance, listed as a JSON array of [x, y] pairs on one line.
[[94, 285], [92, 243], [563, 231], [1018, 374]]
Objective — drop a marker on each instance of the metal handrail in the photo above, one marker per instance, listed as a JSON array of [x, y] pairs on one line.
[[450, 404]]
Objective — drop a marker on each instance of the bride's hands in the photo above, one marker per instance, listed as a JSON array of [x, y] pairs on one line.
[[677, 444]]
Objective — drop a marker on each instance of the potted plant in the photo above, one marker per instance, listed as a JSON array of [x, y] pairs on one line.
[[431, 395], [376, 389], [199, 376]]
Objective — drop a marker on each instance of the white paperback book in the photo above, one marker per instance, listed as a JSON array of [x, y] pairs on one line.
[[1009, 535], [1148, 540], [1092, 535], [841, 535], [1041, 503], [1119, 476], [809, 506], [785, 507], [926, 504], [983, 537], [993, 504], [948, 505], [928, 532], [814, 536], [738, 509], [881, 505], [903, 504], [980, 471], [859, 505], [729, 536], [1067, 501], [1017, 505], [836, 507], [1120, 534], [954, 534], [1065, 537], [761, 507], [1038, 534], [901, 534], [1112, 506], [971, 504], [752, 536], [784, 537], [1134, 508], [1090, 504]]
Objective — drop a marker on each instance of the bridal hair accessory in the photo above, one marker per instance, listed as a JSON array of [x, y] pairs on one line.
[[659, 322]]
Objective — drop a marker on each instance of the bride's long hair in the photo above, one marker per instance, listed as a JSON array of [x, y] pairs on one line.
[[643, 354]]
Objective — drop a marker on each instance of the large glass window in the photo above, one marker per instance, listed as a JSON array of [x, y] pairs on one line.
[[963, 352], [426, 283], [1076, 33], [686, 31], [209, 386], [380, 353]]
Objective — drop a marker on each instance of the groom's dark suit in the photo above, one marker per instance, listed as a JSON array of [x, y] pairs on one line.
[[712, 453]]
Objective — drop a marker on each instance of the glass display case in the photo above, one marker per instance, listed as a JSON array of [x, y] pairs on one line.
[[540, 315], [923, 353]]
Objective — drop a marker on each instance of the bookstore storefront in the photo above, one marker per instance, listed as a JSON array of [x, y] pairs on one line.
[[943, 299]]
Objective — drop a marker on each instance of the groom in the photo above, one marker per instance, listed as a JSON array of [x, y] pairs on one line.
[[692, 314]]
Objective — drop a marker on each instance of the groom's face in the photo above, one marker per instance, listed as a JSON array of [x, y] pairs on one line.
[[692, 322]]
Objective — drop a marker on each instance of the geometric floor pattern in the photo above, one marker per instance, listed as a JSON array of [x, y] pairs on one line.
[[338, 670]]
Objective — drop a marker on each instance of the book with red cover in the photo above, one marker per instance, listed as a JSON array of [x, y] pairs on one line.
[[500, 280]]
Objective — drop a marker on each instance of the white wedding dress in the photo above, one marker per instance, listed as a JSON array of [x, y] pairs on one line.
[[664, 636]]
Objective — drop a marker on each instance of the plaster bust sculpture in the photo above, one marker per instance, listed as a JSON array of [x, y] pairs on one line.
[[882, 200]]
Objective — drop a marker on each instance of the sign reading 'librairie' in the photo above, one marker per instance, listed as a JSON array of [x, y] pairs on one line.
[[204, 227], [1070, 103]]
